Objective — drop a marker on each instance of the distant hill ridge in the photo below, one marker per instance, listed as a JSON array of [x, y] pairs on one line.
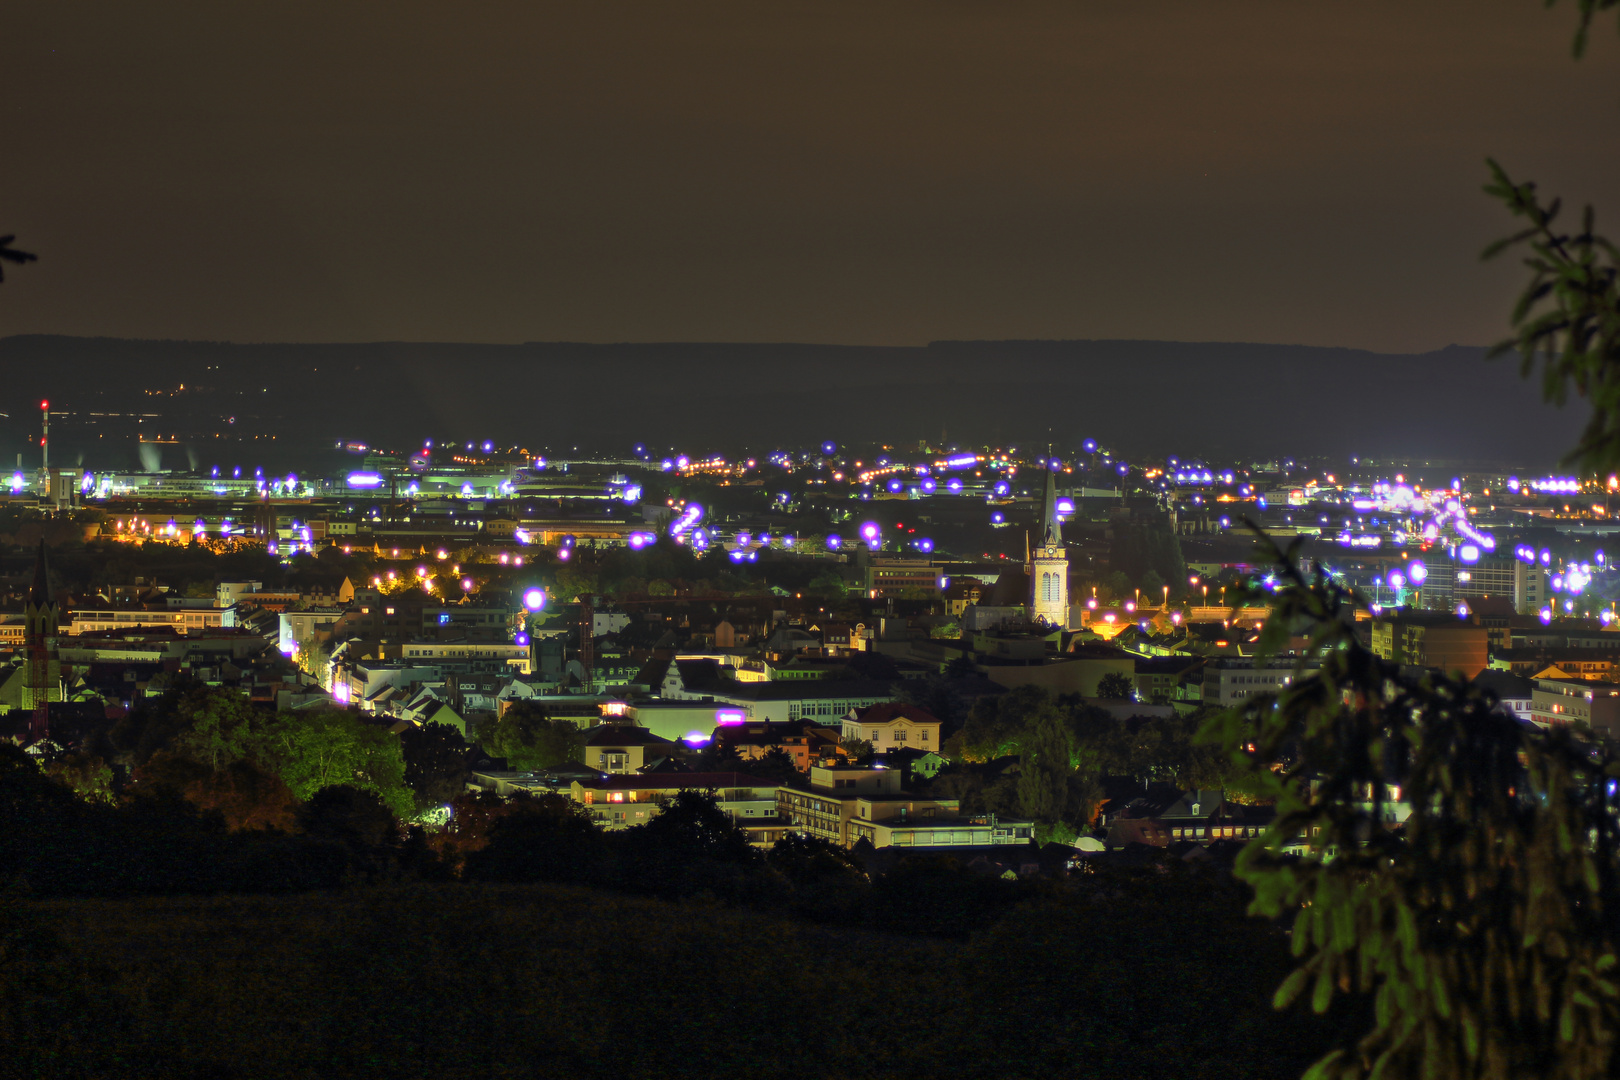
[[1143, 396]]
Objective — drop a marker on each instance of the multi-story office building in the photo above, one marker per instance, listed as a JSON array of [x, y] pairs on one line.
[[1432, 639], [1230, 681], [469, 656], [1525, 584], [893, 576], [183, 620]]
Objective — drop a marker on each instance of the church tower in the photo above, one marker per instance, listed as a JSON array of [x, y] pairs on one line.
[[1049, 567], [43, 682]]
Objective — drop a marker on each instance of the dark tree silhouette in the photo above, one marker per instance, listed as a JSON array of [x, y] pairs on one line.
[[435, 763], [1116, 685], [9, 254], [1483, 927]]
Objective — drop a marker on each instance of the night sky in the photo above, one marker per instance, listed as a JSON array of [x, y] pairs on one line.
[[863, 172]]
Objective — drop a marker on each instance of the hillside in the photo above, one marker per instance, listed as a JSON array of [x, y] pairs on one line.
[[222, 403], [458, 980]]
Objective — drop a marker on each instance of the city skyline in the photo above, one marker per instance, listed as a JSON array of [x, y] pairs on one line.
[[541, 538]]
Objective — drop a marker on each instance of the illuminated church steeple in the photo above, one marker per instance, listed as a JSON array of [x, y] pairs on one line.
[[1049, 566]]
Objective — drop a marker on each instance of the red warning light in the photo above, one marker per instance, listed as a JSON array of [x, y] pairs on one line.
[[44, 405]]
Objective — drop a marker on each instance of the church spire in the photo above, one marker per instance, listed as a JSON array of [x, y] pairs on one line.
[[1053, 532], [39, 594], [1049, 568], [42, 682]]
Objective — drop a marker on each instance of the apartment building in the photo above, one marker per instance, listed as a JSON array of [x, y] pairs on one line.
[[833, 799], [1561, 702]]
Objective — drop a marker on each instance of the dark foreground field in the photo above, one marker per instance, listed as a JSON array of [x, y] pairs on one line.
[[460, 980]]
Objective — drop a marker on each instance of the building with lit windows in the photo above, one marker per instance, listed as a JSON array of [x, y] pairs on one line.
[[825, 700], [986, 831], [1432, 640], [893, 726], [1524, 584], [620, 749], [832, 799], [1232, 681], [891, 576], [468, 656], [618, 802], [1564, 702], [1515, 695], [92, 618], [803, 741]]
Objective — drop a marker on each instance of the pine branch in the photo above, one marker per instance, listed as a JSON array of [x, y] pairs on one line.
[[9, 254], [1567, 317]]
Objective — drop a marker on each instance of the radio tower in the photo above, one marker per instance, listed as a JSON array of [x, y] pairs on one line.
[[44, 484]]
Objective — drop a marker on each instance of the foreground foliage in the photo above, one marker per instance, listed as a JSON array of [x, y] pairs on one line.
[[1484, 925]]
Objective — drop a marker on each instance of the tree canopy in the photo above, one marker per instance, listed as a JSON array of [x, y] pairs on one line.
[[528, 739]]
